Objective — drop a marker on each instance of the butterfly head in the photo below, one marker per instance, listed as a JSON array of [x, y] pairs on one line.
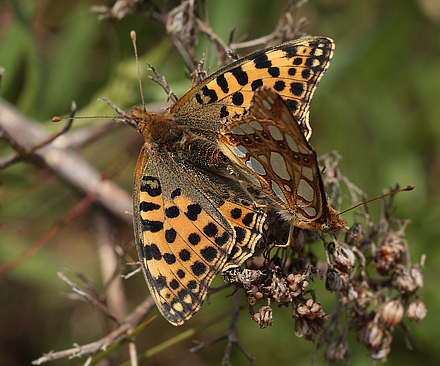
[[332, 221], [154, 126]]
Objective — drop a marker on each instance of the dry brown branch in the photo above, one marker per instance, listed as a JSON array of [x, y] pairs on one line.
[[159, 79], [231, 335], [93, 300], [130, 322], [110, 265], [67, 164]]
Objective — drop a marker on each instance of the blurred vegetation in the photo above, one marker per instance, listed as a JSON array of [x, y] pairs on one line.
[[378, 106]]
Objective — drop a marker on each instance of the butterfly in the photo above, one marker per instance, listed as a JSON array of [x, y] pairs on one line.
[[268, 148], [192, 219]]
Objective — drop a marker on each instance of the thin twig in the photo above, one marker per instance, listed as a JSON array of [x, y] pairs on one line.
[[130, 322]]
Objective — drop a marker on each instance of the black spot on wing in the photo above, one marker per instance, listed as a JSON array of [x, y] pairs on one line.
[[169, 258], [236, 213], [193, 211], [209, 253], [222, 240], [297, 89], [148, 206], [293, 104], [198, 268], [261, 61], [222, 83], [224, 112], [237, 99], [151, 186], [279, 85], [151, 225], [248, 219], [256, 84], [155, 252], [194, 238], [240, 234], [146, 252], [192, 285], [181, 274], [210, 93], [184, 255], [210, 230], [160, 282], [170, 235], [297, 61], [274, 72], [240, 75], [174, 284], [172, 212], [306, 73]]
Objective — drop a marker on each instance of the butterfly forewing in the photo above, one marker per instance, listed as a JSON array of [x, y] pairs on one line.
[[293, 69], [184, 236]]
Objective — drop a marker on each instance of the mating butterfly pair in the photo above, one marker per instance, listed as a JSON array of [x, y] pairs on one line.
[[192, 218]]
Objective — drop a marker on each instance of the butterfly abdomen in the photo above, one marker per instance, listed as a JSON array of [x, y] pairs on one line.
[[203, 153]]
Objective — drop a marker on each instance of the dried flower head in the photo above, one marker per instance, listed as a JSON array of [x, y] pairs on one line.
[[337, 350], [416, 311], [263, 317], [392, 312]]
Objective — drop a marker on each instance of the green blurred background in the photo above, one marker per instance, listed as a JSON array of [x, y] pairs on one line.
[[378, 106]]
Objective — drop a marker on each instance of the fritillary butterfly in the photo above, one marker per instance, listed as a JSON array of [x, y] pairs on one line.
[[192, 219], [268, 148]]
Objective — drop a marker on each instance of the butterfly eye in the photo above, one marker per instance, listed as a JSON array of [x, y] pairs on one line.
[[257, 138], [296, 157], [325, 227], [265, 136], [247, 140], [306, 160]]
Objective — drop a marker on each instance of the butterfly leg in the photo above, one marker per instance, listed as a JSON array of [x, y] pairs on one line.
[[289, 239]]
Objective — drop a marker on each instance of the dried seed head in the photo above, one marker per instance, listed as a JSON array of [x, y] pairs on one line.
[[310, 309], [333, 282], [337, 350], [388, 256], [244, 277], [381, 352], [278, 288], [308, 329], [344, 256], [263, 317], [365, 296], [297, 283], [251, 300], [392, 312], [409, 281], [371, 335], [416, 311]]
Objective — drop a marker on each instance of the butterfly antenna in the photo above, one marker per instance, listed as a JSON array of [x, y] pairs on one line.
[[407, 188], [133, 39], [57, 118]]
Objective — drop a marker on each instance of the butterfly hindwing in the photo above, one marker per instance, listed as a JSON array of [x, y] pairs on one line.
[[267, 147]]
